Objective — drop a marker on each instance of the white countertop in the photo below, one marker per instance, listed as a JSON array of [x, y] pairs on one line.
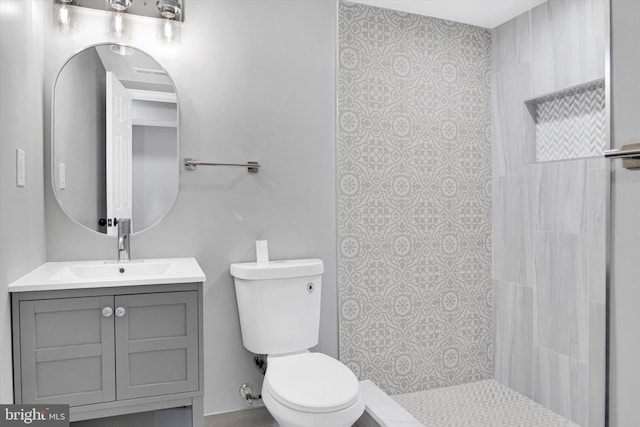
[[53, 276]]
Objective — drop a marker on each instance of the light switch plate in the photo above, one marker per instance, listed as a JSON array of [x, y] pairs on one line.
[[20, 168]]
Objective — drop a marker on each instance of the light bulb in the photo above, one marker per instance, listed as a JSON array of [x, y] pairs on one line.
[[118, 25], [64, 17], [168, 31]]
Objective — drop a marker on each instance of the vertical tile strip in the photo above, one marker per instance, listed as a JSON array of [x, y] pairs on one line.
[[414, 199]]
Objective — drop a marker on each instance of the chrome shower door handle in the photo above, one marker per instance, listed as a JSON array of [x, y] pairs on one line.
[[622, 153], [629, 153]]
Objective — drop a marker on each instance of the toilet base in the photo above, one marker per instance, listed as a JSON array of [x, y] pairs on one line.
[[288, 417]]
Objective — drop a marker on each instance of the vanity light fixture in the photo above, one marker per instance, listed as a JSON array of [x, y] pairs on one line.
[[169, 15]]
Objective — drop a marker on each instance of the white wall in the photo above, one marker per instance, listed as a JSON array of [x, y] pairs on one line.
[[22, 245], [256, 81]]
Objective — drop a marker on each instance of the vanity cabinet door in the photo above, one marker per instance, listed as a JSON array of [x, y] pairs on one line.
[[156, 344], [67, 351]]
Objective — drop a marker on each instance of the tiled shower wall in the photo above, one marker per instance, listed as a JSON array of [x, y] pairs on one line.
[[548, 219], [414, 199]]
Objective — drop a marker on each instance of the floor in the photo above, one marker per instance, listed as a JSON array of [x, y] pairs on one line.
[[256, 417], [161, 418], [479, 404], [381, 411]]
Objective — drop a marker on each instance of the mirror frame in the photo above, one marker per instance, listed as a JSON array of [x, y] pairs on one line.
[[52, 136]]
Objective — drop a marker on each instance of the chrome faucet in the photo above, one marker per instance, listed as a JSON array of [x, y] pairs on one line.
[[124, 229]]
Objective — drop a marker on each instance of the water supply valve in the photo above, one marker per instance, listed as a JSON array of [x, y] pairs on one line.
[[246, 392]]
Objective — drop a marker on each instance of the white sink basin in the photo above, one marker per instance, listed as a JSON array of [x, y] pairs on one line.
[[104, 271], [96, 274]]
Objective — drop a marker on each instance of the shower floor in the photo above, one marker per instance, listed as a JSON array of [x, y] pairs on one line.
[[480, 404]]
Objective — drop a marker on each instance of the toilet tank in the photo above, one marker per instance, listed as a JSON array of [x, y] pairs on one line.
[[279, 304]]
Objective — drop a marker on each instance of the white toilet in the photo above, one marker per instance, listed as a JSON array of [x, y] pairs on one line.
[[279, 307]]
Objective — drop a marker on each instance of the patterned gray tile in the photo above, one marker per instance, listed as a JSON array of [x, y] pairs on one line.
[[480, 404], [414, 199]]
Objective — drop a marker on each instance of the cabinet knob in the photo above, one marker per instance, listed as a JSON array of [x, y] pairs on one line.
[[120, 311], [107, 311]]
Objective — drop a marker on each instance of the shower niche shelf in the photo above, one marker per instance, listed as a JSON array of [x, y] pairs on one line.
[[567, 124]]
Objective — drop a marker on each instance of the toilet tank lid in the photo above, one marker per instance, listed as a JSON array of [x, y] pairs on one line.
[[277, 269]]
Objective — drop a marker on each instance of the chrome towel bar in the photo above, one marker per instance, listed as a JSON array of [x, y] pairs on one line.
[[190, 164]]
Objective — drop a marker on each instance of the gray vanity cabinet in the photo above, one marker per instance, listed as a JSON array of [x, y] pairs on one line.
[[109, 351], [67, 351], [156, 344]]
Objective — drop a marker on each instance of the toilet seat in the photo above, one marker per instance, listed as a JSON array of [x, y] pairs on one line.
[[311, 382]]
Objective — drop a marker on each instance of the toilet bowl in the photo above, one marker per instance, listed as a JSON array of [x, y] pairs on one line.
[[311, 390], [279, 310]]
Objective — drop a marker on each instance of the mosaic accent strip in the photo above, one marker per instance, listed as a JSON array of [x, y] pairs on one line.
[[571, 124], [414, 199], [480, 404]]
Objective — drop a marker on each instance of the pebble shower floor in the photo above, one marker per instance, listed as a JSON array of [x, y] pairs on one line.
[[479, 404]]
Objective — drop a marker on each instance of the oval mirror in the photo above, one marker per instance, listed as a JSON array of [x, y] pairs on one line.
[[114, 139]]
